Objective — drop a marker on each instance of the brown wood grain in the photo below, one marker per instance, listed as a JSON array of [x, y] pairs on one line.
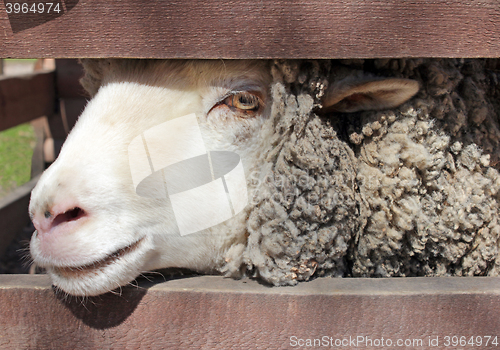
[[208, 312], [259, 29], [24, 98], [71, 102]]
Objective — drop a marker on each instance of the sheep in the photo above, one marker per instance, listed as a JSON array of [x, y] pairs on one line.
[[353, 168]]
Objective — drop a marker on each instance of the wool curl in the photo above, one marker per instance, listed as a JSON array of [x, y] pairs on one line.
[[411, 191], [306, 209]]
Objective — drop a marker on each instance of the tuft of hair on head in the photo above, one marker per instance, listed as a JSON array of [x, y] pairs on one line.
[[94, 73]]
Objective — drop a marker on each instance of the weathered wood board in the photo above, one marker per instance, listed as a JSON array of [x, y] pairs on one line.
[[208, 312], [27, 97], [254, 29]]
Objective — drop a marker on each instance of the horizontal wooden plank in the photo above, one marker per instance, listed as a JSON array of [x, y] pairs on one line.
[[256, 29], [14, 212], [27, 97], [208, 312]]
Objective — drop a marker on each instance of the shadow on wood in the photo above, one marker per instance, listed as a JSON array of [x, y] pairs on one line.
[[104, 311]]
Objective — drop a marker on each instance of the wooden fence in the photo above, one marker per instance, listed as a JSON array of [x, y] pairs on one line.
[[57, 98], [213, 312], [208, 312], [259, 29]]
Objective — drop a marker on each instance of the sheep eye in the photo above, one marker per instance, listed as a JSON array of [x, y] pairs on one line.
[[244, 101]]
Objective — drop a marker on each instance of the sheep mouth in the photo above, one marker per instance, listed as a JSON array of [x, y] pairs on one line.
[[78, 271]]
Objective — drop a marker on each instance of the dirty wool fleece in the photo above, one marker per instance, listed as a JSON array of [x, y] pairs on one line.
[[412, 191]]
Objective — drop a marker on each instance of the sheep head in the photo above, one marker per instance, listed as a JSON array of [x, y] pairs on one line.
[[94, 232]]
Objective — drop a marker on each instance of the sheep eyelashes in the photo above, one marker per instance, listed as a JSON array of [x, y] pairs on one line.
[[349, 168]]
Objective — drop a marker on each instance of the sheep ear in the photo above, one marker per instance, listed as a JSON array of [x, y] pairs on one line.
[[346, 96]]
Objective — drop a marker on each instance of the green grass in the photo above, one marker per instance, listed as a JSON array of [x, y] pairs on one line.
[[20, 59], [16, 150]]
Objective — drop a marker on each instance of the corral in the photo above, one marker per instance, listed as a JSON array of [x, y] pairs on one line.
[[212, 312]]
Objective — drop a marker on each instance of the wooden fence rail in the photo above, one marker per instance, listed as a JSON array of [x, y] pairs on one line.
[[213, 312], [207, 312], [256, 29], [23, 98]]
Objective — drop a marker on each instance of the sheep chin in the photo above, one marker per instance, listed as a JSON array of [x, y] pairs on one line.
[[114, 271]]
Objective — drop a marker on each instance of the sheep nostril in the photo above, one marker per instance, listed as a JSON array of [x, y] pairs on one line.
[[74, 213], [70, 215]]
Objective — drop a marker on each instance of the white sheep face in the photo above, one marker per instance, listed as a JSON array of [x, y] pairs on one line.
[[94, 233]]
